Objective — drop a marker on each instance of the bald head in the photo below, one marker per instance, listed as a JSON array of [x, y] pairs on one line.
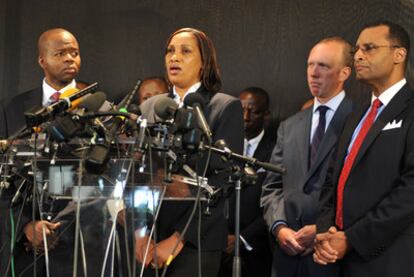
[[59, 57], [47, 38]]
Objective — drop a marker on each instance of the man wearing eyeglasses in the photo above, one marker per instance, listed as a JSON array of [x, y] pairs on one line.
[[366, 216]]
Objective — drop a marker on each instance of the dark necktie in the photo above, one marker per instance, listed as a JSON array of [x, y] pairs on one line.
[[319, 132], [349, 161]]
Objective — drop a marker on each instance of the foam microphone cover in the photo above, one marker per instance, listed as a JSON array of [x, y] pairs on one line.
[[64, 128], [194, 98], [92, 102], [165, 108], [185, 119]]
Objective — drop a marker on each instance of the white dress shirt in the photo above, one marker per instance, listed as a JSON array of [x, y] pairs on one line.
[[250, 145], [332, 105], [49, 91], [177, 97]]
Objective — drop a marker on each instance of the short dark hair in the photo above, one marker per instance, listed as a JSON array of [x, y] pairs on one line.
[[347, 50], [396, 33], [259, 92], [210, 73]]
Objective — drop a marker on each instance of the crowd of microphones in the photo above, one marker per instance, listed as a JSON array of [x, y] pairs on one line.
[[179, 131]]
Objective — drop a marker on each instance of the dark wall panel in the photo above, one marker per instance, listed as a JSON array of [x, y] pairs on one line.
[[263, 42]]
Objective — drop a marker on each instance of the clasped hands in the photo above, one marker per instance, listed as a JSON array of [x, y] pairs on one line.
[[158, 254], [296, 243], [330, 246]]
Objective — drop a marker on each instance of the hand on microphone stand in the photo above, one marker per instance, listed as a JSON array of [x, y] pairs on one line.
[[141, 243], [34, 233], [164, 250], [230, 244]]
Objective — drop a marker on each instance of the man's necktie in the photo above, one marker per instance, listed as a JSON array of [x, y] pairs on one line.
[[248, 149], [319, 132], [349, 161], [54, 98]]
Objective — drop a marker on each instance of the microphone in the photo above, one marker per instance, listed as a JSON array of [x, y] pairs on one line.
[[226, 153], [93, 102], [65, 102], [66, 127], [126, 101], [37, 115], [165, 108], [98, 155], [196, 101]]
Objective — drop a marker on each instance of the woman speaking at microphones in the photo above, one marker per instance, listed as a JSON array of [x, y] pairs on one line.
[[191, 67]]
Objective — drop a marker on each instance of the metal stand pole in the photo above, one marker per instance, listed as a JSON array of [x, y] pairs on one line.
[[237, 259]]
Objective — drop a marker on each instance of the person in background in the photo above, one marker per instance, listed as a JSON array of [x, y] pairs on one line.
[[59, 58], [305, 143], [151, 86], [254, 244]]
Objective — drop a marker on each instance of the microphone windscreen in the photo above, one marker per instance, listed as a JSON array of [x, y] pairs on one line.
[[134, 108], [165, 108], [194, 98], [92, 102]]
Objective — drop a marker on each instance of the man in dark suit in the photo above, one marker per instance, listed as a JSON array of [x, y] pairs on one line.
[[60, 60], [366, 217], [254, 246], [305, 143]]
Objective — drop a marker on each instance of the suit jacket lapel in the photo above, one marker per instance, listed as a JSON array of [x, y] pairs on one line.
[[332, 133], [393, 109], [264, 149], [302, 138]]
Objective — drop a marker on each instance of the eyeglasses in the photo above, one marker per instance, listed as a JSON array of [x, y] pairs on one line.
[[369, 48]]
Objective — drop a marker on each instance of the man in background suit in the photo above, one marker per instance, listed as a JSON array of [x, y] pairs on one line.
[[304, 146], [254, 246], [367, 202], [60, 60]]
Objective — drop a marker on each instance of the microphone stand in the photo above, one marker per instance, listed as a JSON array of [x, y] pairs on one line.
[[230, 155], [235, 178]]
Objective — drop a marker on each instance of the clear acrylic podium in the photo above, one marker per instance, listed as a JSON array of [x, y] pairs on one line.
[[100, 215]]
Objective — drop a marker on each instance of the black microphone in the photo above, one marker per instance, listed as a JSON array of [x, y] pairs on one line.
[[226, 153], [165, 108], [126, 101], [197, 101], [37, 115], [93, 102], [98, 155], [63, 128]]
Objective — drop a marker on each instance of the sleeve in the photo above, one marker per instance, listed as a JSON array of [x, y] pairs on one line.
[[3, 122], [272, 199], [327, 199], [254, 228]]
